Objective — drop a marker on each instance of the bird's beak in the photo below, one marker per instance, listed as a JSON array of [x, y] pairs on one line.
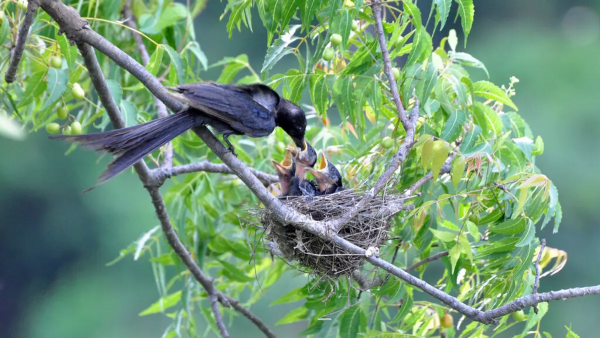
[[321, 174], [285, 166], [300, 143]]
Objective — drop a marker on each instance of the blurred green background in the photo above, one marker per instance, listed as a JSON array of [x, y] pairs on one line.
[[55, 241]]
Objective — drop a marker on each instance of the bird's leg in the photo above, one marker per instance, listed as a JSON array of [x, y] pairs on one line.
[[230, 146]]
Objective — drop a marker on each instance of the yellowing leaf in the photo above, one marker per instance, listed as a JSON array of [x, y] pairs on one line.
[[439, 156], [536, 180], [426, 153], [458, 169]]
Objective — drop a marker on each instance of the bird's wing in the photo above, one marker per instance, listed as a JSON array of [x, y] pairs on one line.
[[229, 104]]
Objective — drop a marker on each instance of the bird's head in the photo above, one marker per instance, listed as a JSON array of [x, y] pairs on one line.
[[326, 175], [292, 120], [286, 170], [304, 158]]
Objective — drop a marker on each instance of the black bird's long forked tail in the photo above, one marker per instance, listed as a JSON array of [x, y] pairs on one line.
[[130, 145]]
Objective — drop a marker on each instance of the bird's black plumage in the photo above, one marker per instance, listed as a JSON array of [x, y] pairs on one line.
[[252, 110]]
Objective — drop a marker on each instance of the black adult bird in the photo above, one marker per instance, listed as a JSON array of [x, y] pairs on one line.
[[329, 179], [253, 110], [289, 182]]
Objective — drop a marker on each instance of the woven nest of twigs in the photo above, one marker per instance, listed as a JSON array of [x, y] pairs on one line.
[[309, 253]]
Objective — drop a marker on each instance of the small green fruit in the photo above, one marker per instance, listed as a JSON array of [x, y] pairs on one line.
[[280, 147], [335, 40], [22, 4], [77, 91], [328, 54], [447, 320], [519, 316], [75, 128], [474, 217], [53, 128], [1, 16], [387, 142], [62, 112], [67, 130], [56, 62], [354, 25], [396, 73]]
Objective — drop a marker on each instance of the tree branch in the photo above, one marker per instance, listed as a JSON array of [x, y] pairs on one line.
[[17, 51], [161, 174], [387, 64], [527, 301], [251, 316], [161, 109]]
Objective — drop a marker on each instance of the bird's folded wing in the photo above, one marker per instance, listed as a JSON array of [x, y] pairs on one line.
[[228, 104]]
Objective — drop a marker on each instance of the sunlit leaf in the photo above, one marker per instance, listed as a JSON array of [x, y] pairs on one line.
[[491, 91], [163, 304]]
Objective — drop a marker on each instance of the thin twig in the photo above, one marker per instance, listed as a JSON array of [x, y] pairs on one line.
[[161, 109], [427, 260], [17, 51], [537, 271], [161, 174]]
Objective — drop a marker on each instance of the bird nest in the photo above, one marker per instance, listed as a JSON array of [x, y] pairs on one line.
[[312, 254]]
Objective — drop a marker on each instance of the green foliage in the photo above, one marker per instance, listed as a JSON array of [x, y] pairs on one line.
[[485, 212]]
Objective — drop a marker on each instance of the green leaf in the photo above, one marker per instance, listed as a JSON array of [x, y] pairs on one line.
[[421, 47], [35, 88], [115, 90], [503, 245], [490, 91], [405, 309], [129, 112], [490, 123], [163, 303], [527, 236], [440, 154], [458, 170], [308, 12], [467, 14], [443, 8], [155, 61], [234, 273], [68, 51], [557, 218], [414, 12], [352, 322], [443, 236], [470, 139], [141, 243], [538, 147], [267, 9], [296, 315], [427, 82], [4, 30], [56, 86], [468, 60], [175, 62], [526, 146], [169, 17], [319, 94], [510, 227], [454, 255], [194, 47], [232, 68], [453, 126], [280, 48]]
